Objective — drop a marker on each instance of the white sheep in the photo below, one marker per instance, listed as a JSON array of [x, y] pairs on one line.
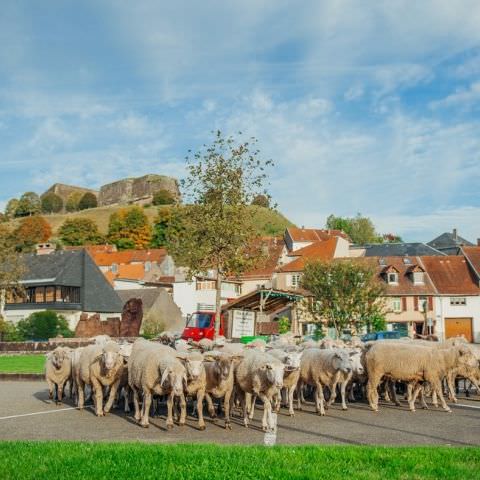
[[58, 370]]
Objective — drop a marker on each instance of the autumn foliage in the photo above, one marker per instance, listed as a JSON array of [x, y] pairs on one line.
[[130, 228], [32, 230]]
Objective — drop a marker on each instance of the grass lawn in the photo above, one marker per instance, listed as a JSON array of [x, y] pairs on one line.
[[22, 363], [35, 460]]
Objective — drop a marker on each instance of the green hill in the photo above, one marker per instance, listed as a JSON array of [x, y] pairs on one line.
[[269, 222]]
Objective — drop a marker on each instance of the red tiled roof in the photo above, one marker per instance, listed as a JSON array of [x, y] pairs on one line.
[[319, 250], [105, 259], [314, 234], [473, 256], [266, 267], [451, 275]]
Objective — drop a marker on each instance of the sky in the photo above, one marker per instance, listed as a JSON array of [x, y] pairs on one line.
[[368, 107]]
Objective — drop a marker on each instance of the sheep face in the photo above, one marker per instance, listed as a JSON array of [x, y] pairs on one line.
[[274, 374], [292, 361], [194, 368], [58, 357], [110, 355], [223, 367], [466, 356], [356, 359], [342, 362], [174, 379]]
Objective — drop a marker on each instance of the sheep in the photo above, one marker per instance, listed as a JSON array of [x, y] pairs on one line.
[[123, 388], [412, 364], [100, 367], [260, 374], [154, 369], [75, 366], [291, 360], [58, 372], [257, 344], [358, 376], [196, 381], [219, 370], [322, 367]]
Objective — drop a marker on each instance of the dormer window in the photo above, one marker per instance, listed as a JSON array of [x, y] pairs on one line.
[[392, 278], [418, 278]]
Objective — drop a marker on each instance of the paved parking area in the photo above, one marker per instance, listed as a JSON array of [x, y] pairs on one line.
[[27, 414]]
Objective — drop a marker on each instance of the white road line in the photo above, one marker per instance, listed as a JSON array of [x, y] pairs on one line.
[[460, 405], [40, 413]]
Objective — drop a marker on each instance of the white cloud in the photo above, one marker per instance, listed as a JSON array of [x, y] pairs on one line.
[[462, 97], [354, 93]]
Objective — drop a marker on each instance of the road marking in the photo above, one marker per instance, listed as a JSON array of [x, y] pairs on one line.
[[41, 413], [467, 406]]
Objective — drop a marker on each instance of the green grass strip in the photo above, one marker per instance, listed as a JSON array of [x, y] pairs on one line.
[[22, 363], [81, 460]]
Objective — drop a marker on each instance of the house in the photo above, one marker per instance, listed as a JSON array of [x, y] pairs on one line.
[[296, 238], [449, 243], [472, 255], [288, 275], [67, 282], [199, 294], [412, 249], [132, 265], [457, 300]]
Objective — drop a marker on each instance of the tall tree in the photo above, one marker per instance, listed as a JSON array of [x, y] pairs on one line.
[[32, 230], [11, 208], [89, 200], [11, 268], [160, 227], [29, 204], [73, 202], [346, 294], [360, 229], [130, 228], [80, 231], [217, 230], [51, 203], [163, 197]]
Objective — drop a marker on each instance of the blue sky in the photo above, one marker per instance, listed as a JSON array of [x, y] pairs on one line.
[[363, 106]]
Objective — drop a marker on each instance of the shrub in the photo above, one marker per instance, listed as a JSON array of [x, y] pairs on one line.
[[8, 332], [11, 208], [129, 228], [73, 201], [29, 204], [80, 231], [52, 203], [163, 197], [284, 325], [44, 325], [261, 201], [89, 200], [32, 230], [160, 228]]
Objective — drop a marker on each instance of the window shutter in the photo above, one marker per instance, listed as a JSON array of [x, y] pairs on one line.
[[415, 303], [404, 304], [430, 303]]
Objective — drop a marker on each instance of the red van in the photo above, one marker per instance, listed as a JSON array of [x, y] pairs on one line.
[[201, 325]]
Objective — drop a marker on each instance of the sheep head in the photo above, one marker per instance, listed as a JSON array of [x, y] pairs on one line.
[[59, 356]]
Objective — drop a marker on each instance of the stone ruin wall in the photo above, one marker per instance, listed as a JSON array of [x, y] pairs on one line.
[[137, 190]]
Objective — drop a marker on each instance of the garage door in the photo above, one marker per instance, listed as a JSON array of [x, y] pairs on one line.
[[459, 326]]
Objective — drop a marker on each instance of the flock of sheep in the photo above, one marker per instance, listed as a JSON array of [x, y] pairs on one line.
[[236, 375]]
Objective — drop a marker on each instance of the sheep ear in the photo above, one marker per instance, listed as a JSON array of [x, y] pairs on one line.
[[208, 357], [268, 366], [351, 354], [181, 356], [48, 355], [164, 376]]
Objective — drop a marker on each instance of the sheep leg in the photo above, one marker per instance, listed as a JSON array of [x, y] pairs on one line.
[[372, 392], [183, 410], [126, 399], [112, 396], [136, 404], [434, 399], [291, 391], [413, 390], [201, 421], [299, 394], [436, 386], [51, 388], [333, 393], [343, 387], [451, 388], [250, 400], [170, 399], [147, 402], [59, 393], [81, 394], [319, 399], [267, 412], [98, 395], [210, 407], [226, 408]]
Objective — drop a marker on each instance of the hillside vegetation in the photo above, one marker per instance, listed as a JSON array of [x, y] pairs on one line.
[[269, 222]]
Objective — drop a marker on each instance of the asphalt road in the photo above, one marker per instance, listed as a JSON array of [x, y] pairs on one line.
[[27, 414]]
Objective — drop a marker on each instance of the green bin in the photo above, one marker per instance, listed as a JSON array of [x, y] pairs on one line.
[[250, 338]]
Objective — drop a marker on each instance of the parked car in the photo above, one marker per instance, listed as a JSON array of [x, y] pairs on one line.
[[201, 325], [385, 335]]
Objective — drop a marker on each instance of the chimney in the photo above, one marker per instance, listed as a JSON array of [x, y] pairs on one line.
[[45, 248], [455, 234]]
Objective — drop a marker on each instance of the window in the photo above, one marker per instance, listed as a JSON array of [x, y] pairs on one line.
[[418, 278], [50, 294], [206, 285], [422, 304], [200, 320], [39, 295], [397, 304], [295, 280], [238, 288], [114, 268], [392, 277], [458, 301]]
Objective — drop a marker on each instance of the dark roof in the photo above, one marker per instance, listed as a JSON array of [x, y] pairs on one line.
[[73, 269], [472, 254], [400, 250], [449, 242], [148, 296]]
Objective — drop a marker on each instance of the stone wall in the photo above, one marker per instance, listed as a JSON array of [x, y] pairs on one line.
[[137, 190], [92, 326], [64, 191]]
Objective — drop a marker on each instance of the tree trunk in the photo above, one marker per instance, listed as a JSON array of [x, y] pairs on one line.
[[2, 303], [218, 305]]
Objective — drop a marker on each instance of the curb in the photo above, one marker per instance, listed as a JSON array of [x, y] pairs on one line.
[[22, 377]]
